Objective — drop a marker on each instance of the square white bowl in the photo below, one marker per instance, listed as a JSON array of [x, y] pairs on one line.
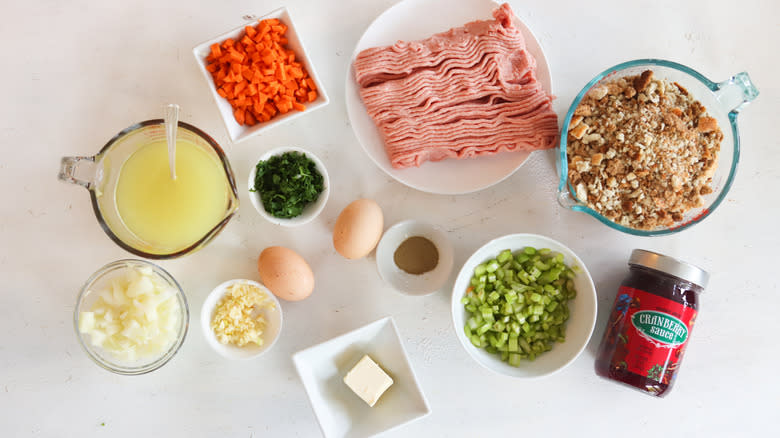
[[238, 132], [339, 411]]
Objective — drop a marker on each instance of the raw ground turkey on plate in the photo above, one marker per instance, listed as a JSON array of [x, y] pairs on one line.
[[466, 92]]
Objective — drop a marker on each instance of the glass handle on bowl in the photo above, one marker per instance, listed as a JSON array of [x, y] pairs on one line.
[[69, 168], [736, 92], [566, 200]]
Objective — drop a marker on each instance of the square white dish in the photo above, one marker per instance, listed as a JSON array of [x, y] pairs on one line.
[[339, 411], [238, 132]]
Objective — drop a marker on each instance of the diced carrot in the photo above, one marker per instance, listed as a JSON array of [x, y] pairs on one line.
[[280, 73], [258, 75], [240, 116], [235, 56], [250, 119], [216, 51]]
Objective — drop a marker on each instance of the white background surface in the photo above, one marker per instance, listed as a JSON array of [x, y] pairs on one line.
[[76, 73]]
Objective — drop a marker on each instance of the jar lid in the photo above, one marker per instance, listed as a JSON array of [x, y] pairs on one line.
[[670, 265]]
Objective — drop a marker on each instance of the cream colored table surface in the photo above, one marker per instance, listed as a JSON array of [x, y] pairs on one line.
[[75, 73]]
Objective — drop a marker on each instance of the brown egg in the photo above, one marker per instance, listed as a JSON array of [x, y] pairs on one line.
[[358, 229], [285, 273]]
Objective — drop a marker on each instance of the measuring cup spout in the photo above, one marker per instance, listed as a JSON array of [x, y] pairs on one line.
[[70, 170]]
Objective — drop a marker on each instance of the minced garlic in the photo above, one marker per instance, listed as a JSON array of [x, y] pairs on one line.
[[233, 321]]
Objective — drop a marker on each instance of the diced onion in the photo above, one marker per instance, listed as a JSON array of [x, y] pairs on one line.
[[135, 317]]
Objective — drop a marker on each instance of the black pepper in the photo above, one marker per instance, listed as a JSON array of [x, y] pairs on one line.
[[416, 255]]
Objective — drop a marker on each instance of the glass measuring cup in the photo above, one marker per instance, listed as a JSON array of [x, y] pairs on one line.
[[100, 175], [723, 101]]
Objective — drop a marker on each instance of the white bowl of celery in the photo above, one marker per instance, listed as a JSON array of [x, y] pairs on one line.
[[524, 305]]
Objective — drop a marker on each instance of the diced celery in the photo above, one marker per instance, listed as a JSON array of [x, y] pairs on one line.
[[522, 294], [506, 309], [541, 265], [524, 345]]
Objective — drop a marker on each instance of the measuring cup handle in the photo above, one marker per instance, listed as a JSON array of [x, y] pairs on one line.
[[566, 199], [736, 92], [69, 167]]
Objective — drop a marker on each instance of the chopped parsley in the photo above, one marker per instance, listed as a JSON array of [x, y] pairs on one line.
[[287, 183]]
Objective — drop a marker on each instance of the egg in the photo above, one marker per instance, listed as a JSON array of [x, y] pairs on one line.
[[358, 229], [285, 273]]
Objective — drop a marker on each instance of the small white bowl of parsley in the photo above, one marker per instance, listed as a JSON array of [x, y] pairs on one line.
[[289, 186]]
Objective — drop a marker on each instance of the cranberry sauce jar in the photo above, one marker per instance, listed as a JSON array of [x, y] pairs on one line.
[[649, 327]]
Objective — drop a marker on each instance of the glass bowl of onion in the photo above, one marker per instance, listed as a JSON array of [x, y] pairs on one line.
[[131, 317]]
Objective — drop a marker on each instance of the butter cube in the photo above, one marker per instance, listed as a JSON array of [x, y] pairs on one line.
[[368, 380]]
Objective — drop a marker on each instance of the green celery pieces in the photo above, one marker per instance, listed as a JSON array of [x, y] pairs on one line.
[[518, 303]]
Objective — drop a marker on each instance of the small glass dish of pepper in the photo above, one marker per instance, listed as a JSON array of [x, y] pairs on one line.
[[289, 186]]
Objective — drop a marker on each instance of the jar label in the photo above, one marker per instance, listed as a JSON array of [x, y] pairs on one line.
[[649, 333], [666, 330]]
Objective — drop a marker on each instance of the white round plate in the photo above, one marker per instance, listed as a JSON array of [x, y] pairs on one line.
[[412, 20]]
